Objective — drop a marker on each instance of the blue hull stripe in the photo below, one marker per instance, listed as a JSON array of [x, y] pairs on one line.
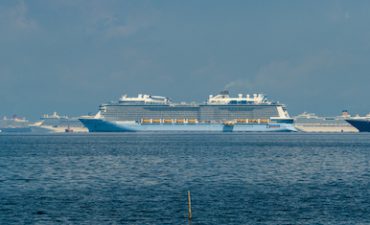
[[361, 125]]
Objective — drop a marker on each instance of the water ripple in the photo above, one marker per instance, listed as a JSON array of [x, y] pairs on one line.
[[144, 178]]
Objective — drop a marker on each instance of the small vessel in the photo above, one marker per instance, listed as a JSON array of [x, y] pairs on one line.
[[223, 113], [68, 129]]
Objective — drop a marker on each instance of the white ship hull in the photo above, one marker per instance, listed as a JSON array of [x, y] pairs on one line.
[[100, 125]]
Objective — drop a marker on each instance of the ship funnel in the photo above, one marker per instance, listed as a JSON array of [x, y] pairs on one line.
[[225, 92], [345, 113]]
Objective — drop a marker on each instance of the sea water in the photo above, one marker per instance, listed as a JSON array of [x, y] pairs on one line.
[[143, 178]]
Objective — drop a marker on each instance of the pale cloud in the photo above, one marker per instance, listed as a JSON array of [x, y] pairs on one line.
[[112, 22], [182, 49], [107, 19], [131, 25], [339, 14], [205, 70], [17, 18], [347, 15], [294, 75], [122, 30], [240, 84]]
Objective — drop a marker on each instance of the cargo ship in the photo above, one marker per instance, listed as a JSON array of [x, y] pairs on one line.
[[223, 113]]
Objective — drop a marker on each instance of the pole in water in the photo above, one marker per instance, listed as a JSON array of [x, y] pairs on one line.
[[189, 206]]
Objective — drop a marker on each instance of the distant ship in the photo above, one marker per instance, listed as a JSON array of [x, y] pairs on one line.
[[55, 123], [309, 122], [361, 123], [219, 113], [14, 124]]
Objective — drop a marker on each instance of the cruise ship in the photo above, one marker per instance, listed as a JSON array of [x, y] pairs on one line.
[[361, 123], [14, 124], [221, 113], [56, 123], [310, 122]]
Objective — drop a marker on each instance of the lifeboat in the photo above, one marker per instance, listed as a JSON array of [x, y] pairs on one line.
[[229, 123], [180, 121], [192, 121], [253, 121], [241, 120], [264, 121], [146, 121], [156, 121]]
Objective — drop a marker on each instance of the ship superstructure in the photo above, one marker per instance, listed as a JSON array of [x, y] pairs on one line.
[[219, 113]]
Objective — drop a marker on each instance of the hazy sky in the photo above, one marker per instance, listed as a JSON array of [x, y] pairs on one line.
[[71, 55]]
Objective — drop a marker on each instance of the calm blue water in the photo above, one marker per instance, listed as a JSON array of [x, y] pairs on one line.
[[144, 178]]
